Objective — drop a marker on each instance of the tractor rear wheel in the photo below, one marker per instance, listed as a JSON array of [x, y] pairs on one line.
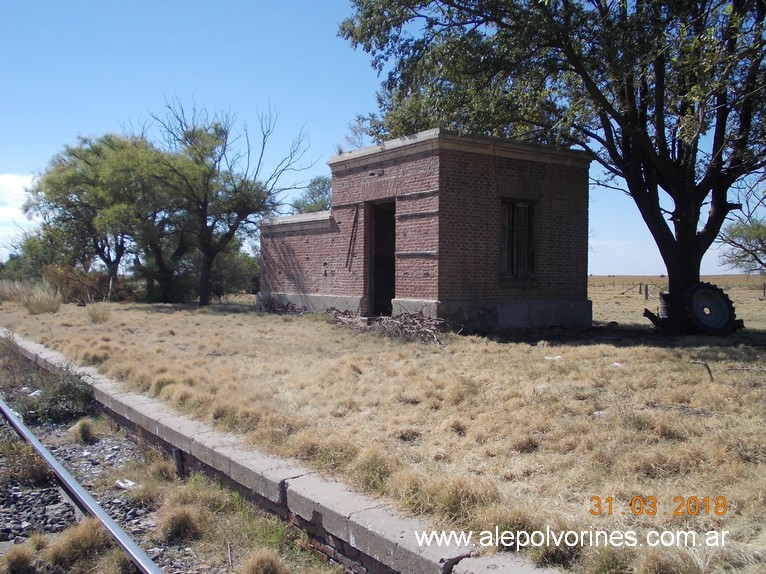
[[709, 310]]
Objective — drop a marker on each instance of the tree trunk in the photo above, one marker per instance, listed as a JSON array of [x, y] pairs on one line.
[[679, 247], [683, 272], [204, 280]]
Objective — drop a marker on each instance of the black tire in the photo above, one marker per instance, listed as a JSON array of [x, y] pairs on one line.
[[709, 310]]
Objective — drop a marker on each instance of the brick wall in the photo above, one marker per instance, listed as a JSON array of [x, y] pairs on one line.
[[473, 188], [447, 193]]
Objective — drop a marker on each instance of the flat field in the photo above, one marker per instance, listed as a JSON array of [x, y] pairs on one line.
[[520, 431]]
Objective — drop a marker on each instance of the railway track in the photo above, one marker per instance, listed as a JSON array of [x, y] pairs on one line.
[[78, 495]]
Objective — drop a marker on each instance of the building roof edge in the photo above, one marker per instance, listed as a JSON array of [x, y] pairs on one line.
[[438, 139]]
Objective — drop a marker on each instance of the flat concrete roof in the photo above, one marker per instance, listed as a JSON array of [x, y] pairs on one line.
[[299, 222], [439, 139]]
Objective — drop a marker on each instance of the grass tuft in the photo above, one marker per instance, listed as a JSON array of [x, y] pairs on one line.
[[179, 524], [264, 562], [373, 468], [37, 298], [18, 560], [115, 561], [84, 431], [458, 499], [85, 540], [23, 465], [607, 561], [98, 312]]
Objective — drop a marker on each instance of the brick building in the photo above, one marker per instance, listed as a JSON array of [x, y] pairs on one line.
[[483, 232]]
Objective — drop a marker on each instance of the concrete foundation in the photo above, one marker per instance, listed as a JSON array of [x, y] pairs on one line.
[[483, 315], [313, 303], [469, 314]]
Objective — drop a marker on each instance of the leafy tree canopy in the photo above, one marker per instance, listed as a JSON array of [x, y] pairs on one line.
[[175, 202], [669, 97], [744, 239], [316, 197]]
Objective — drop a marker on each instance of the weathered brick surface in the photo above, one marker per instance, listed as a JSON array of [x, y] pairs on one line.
[[448, 192], [473, 187]]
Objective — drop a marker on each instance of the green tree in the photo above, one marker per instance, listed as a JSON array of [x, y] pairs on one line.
[[744, 239], [235, 271], [82, 198], [216, 182], [35, 252], [668, 97], [316, 197]]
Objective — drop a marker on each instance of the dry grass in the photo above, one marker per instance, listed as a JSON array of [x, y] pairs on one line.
[[83, 541], [98, 312], [22, 464], [476, 431], [37, 298], [224, 531], [264, 562], [18, 560], [84, 431], [179, 524]]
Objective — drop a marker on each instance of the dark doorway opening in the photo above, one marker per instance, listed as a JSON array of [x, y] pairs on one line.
[[382, 276]]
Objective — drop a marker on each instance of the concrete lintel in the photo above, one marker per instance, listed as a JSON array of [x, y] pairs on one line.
[[297, 223]]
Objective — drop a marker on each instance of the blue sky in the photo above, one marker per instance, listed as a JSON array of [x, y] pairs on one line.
[[77, 67]]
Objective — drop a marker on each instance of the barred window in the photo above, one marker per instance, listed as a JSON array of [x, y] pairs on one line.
[[516, 248]]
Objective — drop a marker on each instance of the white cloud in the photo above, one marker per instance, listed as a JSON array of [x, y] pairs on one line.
[[12, 219]]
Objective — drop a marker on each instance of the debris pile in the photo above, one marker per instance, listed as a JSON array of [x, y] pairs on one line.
[[404, 326], [274, 307]]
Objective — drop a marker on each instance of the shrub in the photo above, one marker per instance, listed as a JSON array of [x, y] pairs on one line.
[[63, 396]]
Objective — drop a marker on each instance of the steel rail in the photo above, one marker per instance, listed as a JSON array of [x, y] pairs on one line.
[[84, 501]]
